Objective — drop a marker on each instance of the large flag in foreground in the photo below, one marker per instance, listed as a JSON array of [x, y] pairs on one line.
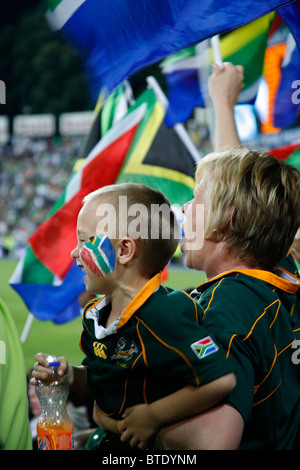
[[136, 148], [117, 38]]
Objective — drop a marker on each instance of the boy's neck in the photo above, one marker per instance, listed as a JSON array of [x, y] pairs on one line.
[[123, 295]]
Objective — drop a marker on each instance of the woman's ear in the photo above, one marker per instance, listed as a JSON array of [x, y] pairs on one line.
[[126, 249]]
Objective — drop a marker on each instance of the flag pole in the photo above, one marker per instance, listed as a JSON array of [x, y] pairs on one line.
[[178, 128], [26, 328], [216, 50], [218, 60]]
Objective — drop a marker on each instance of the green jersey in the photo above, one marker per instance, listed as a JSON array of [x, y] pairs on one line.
[[156, 347], [255, 315], [14, 424]]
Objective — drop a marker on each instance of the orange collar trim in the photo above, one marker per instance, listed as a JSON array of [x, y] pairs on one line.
[[288, 283], [139, 299]]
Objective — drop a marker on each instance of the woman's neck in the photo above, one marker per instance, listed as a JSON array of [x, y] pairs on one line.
[[221, 261]]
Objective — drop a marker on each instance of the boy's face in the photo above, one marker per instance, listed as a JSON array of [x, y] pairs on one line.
[[86, 228]]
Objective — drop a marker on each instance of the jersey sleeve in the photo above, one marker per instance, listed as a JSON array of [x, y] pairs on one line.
[[183, 349], [223, 317]]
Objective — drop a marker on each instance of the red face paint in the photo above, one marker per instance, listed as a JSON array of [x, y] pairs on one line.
[[87, 258]]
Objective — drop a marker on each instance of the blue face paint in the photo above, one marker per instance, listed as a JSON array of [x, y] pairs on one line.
[[99, 255]]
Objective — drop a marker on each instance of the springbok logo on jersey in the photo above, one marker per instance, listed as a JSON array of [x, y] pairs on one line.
[[121, 353], [204, 347]]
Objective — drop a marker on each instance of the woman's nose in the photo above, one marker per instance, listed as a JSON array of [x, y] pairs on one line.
[[184, 207]]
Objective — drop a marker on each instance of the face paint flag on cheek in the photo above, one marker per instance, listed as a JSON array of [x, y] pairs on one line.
[[99, 255]]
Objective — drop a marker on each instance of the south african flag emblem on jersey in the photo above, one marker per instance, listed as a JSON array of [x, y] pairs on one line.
[[204, 347]]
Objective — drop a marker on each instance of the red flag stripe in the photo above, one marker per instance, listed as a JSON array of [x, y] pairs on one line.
[[282, 153]]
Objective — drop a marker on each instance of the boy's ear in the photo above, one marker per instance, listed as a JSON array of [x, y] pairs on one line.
[[126, 250]]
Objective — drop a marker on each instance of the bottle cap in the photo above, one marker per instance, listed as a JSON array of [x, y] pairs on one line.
[[52, 361], [54, 364]]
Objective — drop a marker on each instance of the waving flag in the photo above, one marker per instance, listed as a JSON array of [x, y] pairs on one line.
[[281, 82], [290, 13], [290, 153], [117, 38], [281, 73], [158, 157], [46, 277], [271, 80], [133, 149], [244, 46], [287, 99]]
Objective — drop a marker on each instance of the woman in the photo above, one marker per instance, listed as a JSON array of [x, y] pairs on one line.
[[238, 228], [251, 213]]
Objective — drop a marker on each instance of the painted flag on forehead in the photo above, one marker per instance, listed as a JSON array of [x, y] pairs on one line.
[[132, 149], [117, 38], [183, 71]]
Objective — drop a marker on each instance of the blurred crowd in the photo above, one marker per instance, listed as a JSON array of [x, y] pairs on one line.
[[33, 175]]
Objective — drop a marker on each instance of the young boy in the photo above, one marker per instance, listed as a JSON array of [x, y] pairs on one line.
[[147, 356]]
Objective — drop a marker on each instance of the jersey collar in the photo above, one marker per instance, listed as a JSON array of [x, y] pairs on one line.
[[100, 331], [283, 279], [140, 299]]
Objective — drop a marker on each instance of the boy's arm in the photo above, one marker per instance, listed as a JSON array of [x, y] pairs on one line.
[[143, 421], [106, 423]]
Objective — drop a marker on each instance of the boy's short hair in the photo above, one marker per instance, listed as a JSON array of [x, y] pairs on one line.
[[145, 215], [253, 203]]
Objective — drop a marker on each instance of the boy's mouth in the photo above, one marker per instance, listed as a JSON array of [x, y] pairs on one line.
[[82, 268]]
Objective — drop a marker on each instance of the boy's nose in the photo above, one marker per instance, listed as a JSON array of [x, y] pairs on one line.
[[74, 253]]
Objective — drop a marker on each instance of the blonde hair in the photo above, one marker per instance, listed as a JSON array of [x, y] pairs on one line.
[[253, 203], [155, 250]]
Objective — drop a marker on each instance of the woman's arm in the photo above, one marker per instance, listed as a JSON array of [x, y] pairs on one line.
[[142, 422]]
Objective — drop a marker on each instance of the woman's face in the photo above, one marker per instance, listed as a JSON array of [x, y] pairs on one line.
[[194, 246]]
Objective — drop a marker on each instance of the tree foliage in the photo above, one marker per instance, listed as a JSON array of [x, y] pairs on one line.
[[41, 72]]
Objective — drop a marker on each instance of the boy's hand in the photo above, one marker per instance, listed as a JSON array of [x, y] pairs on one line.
[[139, 426], [41, 371]]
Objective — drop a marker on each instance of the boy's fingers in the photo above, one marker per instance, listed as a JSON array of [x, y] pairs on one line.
[[41, 359]]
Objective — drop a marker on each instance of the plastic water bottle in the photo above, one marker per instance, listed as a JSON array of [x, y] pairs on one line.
[[54, 427]]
